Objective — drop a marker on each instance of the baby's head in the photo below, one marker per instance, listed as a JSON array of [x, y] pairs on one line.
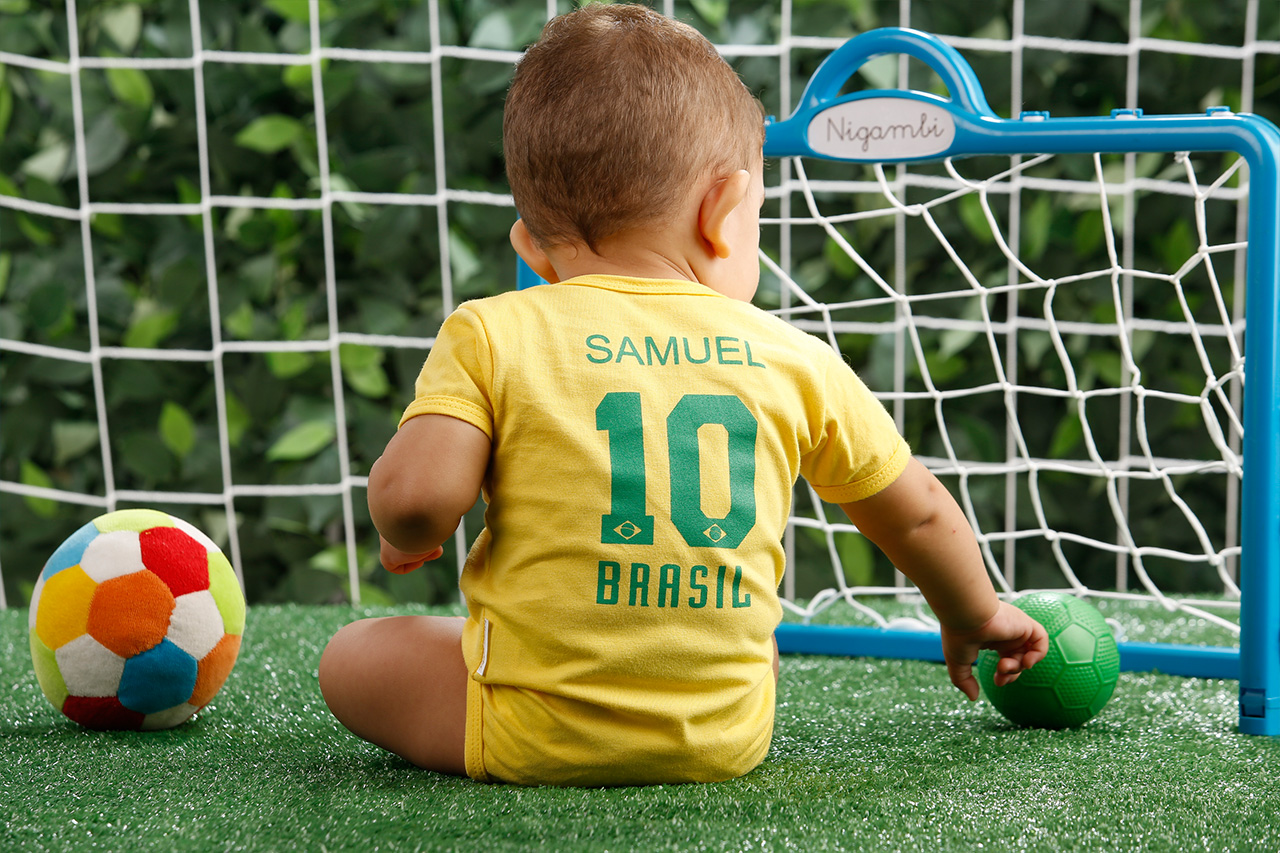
[[614, 118]]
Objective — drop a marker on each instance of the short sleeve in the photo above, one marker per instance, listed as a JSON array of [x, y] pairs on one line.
[[457, 378], [857, 450]]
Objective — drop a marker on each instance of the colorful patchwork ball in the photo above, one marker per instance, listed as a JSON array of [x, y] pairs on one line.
[[135, 622]]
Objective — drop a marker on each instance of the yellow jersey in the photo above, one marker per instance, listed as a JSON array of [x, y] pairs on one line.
[[646, 436]]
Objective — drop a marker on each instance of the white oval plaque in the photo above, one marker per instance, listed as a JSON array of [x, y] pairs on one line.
[[882, 129]]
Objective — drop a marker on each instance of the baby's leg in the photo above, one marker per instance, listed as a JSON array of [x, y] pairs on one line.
[[400, 683]]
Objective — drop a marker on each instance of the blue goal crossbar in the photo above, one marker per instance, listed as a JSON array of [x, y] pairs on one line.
[[894, 126]]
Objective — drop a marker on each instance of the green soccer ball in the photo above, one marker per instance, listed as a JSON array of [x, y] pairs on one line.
[[1075, 679]]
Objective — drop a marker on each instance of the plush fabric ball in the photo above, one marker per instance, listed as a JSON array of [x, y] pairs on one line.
[[135, 622]]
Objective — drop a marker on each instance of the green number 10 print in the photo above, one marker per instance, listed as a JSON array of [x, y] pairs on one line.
[[619, 414]]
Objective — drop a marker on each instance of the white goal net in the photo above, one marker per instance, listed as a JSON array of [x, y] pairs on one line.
[[1080, 394]]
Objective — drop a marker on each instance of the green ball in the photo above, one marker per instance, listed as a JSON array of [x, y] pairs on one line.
[[1075, 679]]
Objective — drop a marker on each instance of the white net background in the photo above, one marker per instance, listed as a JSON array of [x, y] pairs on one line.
[[1087, 416], [74, 312]]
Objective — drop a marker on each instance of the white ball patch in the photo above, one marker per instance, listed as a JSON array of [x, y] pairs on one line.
[[196, 623], [89, 668], [112, 555]]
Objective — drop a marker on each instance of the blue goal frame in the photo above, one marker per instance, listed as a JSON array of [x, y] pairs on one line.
[[895, 126]]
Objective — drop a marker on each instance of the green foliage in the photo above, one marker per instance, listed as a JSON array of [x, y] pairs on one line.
[[270, 134], [151, 273]]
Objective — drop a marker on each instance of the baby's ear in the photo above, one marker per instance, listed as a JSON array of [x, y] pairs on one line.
[[522, 242], [720, 201]]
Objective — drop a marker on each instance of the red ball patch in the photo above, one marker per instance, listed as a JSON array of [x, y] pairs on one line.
[[180, 561], [101, 712]]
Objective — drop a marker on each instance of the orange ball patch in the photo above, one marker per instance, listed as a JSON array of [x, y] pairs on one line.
[[214, 669], [130, 614]]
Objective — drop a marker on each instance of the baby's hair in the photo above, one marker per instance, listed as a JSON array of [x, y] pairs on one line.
[[613, 116]]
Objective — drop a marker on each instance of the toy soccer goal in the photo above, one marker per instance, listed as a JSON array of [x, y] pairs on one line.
[[1084, 396]]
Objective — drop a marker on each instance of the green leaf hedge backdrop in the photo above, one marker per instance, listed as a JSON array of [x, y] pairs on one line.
[[141, 141]]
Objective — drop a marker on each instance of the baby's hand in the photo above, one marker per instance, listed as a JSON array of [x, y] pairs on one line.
[[1020, 641], [400, 563]]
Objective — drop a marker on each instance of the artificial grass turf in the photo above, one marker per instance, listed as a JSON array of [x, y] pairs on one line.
[[867, 755]]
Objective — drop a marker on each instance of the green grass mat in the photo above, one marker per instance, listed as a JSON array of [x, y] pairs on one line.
[[867, 755]]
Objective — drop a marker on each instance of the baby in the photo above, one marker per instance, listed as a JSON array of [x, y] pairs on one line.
[[636, 428]]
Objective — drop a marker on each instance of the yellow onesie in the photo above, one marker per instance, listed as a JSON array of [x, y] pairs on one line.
[[623, 594]]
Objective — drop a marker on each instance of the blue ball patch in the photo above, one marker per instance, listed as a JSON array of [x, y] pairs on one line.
[[159, 678], [71, 551]]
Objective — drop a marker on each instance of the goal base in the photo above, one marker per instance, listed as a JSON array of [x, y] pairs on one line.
[[854, 641], [1258, 715]]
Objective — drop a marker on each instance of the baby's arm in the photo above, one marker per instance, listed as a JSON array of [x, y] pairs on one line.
[[424, 482], [919, 526]]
